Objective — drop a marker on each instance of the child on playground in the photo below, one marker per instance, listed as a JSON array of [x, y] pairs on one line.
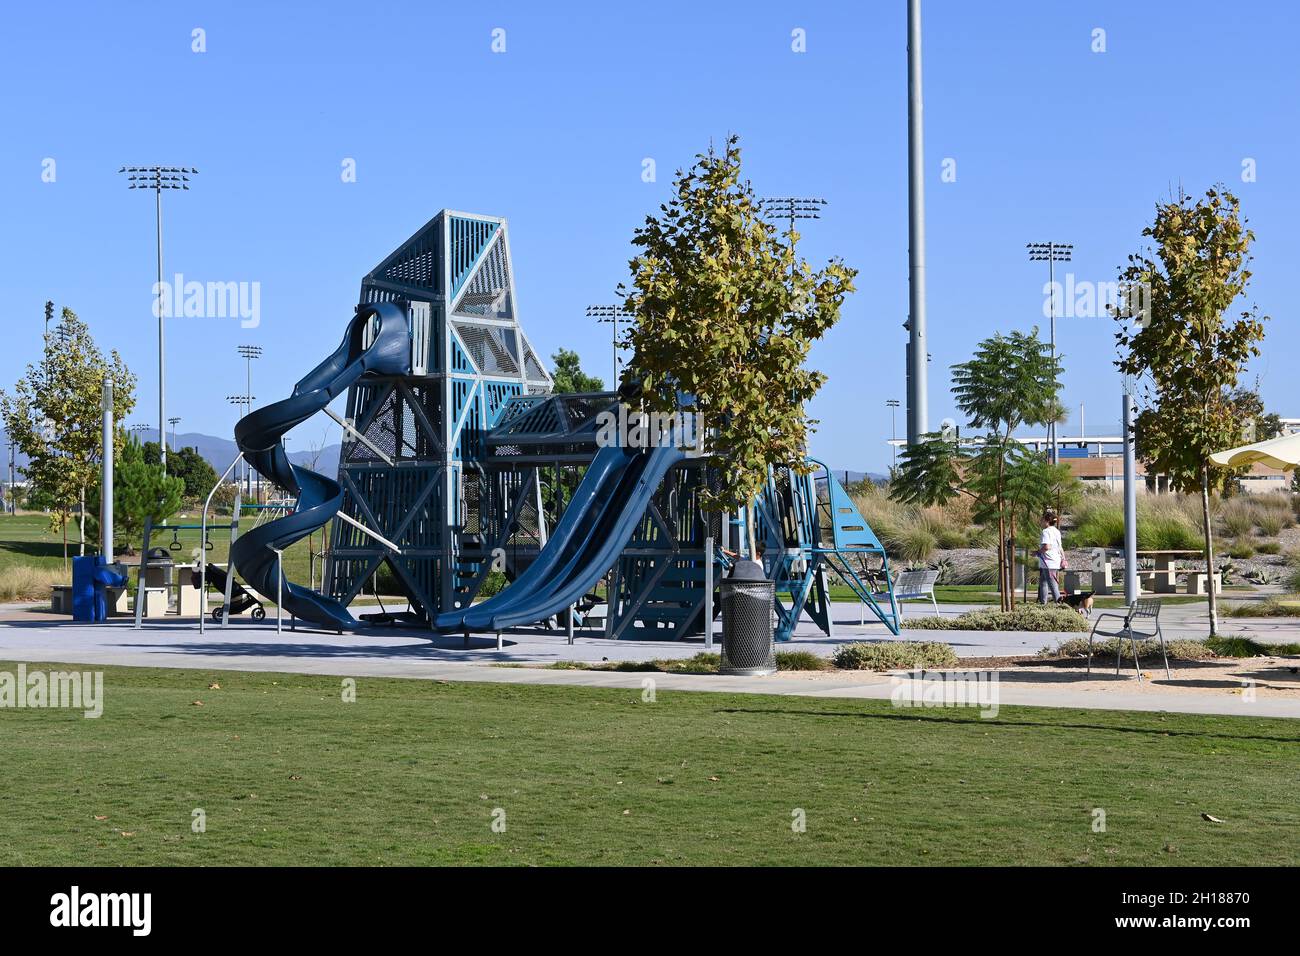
[[1051, 558]]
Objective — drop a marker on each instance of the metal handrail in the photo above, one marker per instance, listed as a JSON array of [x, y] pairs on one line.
[[203, 565]]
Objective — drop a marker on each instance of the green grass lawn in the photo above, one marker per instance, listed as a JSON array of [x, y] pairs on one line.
[[986, 594], [412, 772], [26, 539]]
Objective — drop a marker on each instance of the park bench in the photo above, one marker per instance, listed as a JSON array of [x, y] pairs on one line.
[[913, 586], [61, 598], [1141, 622], [1164, 579], [156, 603]]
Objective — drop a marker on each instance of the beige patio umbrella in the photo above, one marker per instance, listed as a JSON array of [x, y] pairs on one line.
[[1282, 452]]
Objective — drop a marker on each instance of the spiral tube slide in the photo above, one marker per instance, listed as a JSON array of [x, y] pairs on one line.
[[259, 434]]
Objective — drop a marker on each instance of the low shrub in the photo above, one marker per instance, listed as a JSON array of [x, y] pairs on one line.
[[983, 570], [800, 661], [1077, 647], [1241, 549], [1237, 645], [894, 655], [1237, 518], [492, 584], [1099, 527], [1270, 523], [1269, 607], [950, 539], [1269, 547], [1168, 532], [914, 542], [23, 583], [1025, 617]]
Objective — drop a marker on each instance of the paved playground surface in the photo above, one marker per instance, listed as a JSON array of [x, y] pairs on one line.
[[1196, 687]]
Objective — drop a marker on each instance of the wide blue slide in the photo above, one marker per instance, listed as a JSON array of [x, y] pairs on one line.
[[598, 524], [377, 342]]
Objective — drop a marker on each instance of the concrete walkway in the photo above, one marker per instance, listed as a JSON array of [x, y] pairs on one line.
[[386, 652]]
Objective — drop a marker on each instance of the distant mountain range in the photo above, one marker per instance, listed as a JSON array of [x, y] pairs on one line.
[[221, 451], [851, 477]]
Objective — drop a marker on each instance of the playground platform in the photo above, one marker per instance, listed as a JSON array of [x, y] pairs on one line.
[[26, 635]]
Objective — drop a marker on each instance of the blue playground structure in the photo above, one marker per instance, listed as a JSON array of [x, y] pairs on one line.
[[458, 460]]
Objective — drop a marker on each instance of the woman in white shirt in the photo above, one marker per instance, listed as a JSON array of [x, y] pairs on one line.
[[1051, 558]]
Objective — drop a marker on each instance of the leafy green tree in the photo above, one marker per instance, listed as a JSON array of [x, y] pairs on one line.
[[54, 415], [1185, 354], [1248, 409], [1011, 381], [569, 378], [142, 490], [193, 469], [726, 313], [930, 472]]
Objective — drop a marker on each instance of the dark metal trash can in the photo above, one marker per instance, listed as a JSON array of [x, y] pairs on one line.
[[748, 645]]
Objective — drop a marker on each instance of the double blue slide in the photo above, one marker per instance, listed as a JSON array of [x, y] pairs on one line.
[[595, 528], [377, 341]]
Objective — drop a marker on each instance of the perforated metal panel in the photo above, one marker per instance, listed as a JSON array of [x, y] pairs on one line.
[[487, 294], [748, 620], [489, 347], [532, 367]]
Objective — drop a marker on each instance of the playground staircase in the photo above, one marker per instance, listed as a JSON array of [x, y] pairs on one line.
[[670, 601], [657, 584], [469, 568], [847, 545]]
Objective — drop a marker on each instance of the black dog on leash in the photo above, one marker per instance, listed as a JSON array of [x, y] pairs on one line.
[[1081, 601]]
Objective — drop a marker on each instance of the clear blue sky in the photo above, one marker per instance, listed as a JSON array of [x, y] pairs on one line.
[[1051, 141]]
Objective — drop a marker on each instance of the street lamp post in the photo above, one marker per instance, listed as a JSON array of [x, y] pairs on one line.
[[173, 422], [1051, 253], [159, 178], [612, 314]]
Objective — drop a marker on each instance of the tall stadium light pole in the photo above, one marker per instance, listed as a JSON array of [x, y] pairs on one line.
[[1051, 253], [249, 352], [173, 422], [245, 405], [892, 405], [790, 208], [141, 430], [612, 314], [159, 178], [918, 416]]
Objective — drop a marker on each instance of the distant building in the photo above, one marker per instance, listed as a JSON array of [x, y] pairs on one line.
[[1098, 462]]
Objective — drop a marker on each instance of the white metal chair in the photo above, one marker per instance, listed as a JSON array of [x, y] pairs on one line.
[[1141, 622]]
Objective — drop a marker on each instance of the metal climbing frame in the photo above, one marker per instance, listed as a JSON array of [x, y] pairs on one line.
[[410, 464], [465, 462], [808, 529]]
